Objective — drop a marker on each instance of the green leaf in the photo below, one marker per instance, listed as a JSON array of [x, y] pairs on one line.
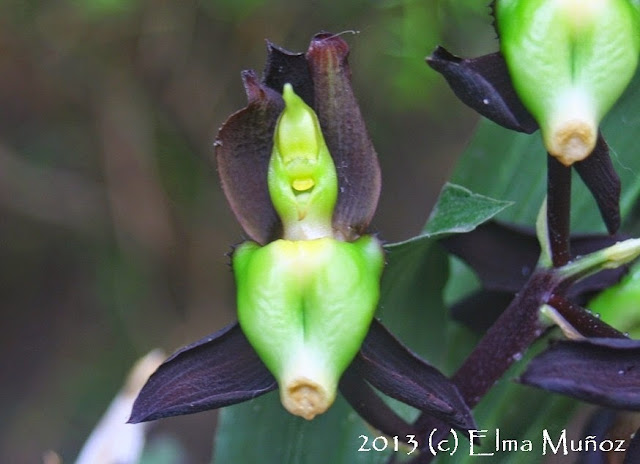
[[459, 210]]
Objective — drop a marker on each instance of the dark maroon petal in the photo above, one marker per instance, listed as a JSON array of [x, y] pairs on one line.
[[371, 407], [484, 84], [346, 135], [604, 371], [584, 322], [390, 367], [285, 67], [600, 177], [632, 456], [243, 149], [219, 370]]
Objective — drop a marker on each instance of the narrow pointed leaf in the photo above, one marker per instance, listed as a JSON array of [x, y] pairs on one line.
[[390, 367], [366, 402], [285, 67], [484, 84], [600, 177], [216, 371], [243, 149], [459, 210], [345, 134], [604, 371]]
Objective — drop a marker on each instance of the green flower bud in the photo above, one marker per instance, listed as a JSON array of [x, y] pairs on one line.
[[611, 257], [305, 307], [302, 177], [569, 60]]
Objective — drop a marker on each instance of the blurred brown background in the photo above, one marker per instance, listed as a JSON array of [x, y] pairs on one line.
[[113, 227]]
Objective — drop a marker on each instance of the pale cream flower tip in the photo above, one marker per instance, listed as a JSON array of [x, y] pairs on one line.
[[305, 398], [573, 141]]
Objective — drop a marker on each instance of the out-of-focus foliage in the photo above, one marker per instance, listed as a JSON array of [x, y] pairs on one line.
[[113, 229]]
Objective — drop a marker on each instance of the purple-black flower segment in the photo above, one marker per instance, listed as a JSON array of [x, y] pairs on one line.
[[604, 371], [223, 368], [216, 371]]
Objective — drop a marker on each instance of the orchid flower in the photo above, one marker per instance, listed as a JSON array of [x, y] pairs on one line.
[[302, 177]]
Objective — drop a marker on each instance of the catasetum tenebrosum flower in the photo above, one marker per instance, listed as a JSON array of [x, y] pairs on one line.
[[569, 61], [562, 64], [302, 177]]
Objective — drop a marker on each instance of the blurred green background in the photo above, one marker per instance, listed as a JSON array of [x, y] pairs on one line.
[[113, 227]]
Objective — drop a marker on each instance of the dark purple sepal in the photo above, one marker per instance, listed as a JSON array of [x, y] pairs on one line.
[[218, 370], [285, 67], [582, 320], [601, 178], [370, 406], [243, 149], [604, 371], [345, 133], [484, 84], [632, 456], [397, 372]]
